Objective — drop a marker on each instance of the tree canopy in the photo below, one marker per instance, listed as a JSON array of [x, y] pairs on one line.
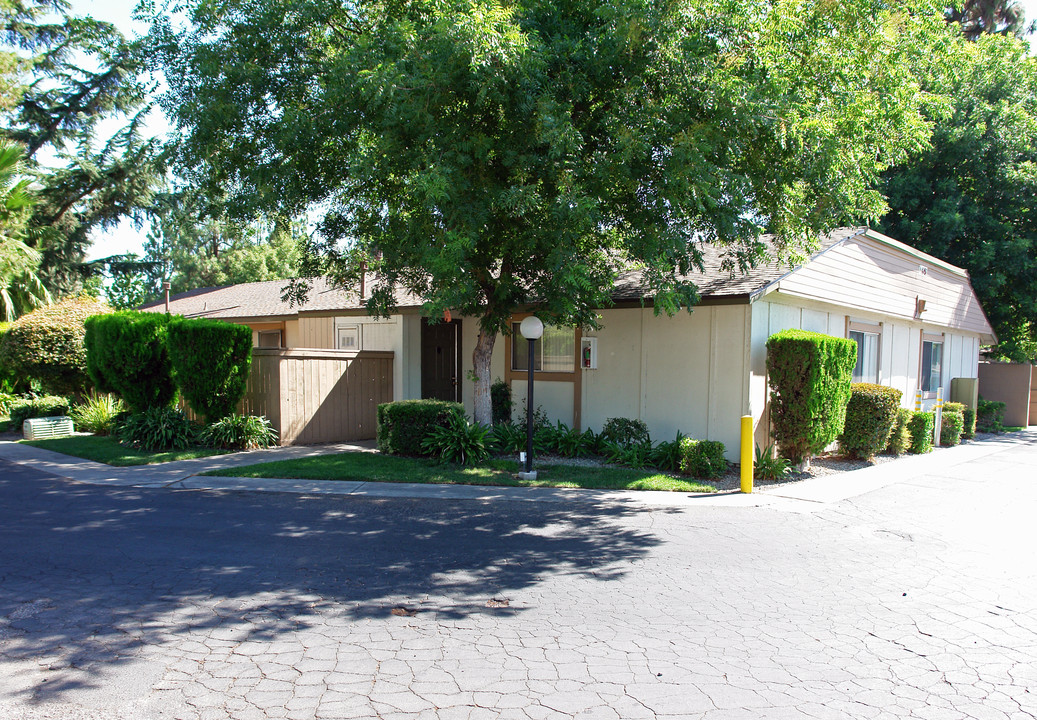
[[969, 197], [75, 77], [488, 156]]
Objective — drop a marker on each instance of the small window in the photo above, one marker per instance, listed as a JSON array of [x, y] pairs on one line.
[[348, 337], [554, 352], [867, 368], [932, 365], [269, 338]]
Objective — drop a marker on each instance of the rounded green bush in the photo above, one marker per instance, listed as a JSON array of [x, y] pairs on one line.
[[870, 417], [48, 344], [950, 427], [921, 427], [625, 432], [211, 361], [403, 425], [900, 437], [127, 356]]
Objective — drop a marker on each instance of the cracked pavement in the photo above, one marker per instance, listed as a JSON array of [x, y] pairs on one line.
[[917, 600]]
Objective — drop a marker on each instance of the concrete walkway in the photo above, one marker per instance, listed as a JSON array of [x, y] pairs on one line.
[[802, 496]]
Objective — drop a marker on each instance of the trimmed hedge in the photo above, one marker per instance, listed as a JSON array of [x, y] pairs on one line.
[[900, 436], [968, 431], [210, 361], [921, 427], [127, 356], [404, 424], [47, 406], [951, 425], [47, 344], [810, 376], [870, 416], [702, 458]]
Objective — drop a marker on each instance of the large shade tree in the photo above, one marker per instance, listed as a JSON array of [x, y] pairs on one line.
[[79, 116], [489, 155], [969, 196]]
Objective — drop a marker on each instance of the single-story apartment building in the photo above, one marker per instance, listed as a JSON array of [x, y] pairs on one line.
[[916, 320]]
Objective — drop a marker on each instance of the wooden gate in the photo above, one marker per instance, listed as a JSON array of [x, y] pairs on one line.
[[319, 396]]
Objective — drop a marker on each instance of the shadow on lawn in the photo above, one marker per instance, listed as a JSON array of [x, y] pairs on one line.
[[89, 575]]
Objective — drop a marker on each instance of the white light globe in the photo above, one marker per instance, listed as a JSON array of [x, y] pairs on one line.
[[531, 328]]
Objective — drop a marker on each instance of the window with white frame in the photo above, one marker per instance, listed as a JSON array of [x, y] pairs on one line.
[[931, 375], [867, 339], [554, 352]]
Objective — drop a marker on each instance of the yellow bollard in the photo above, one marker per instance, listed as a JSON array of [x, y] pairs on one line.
[[747, 453]]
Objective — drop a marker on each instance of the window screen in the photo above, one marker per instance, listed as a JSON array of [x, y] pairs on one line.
[[867, 368], [932, 365]]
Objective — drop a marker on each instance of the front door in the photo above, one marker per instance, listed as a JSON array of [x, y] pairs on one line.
[[441, 360]]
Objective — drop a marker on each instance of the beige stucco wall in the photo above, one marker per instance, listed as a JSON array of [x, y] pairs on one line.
[[686, 372]]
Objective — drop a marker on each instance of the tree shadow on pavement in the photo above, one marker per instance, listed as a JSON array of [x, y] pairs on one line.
[[91, 575]]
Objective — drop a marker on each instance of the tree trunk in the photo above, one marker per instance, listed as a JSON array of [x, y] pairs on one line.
[[481, 364]]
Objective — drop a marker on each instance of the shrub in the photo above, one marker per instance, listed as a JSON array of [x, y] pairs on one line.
[[6, 400], [158, 429], [950, 427], [509, 438], [810, 376], [637, 457], [667, 455], [625, 431], [921, 428], [46, 406], [990, 416], [870, 416], [210, 360], [702, 458], [98, 414], [402, 425], [900, 437], [126, 355], [240, 432], [968, 430], [770, 466], [48, 344], [459, 441], [565, 441], [501, 403]]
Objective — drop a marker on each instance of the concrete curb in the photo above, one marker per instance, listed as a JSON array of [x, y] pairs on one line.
[[803, 496]]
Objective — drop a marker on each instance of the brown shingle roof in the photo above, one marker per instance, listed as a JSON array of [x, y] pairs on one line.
[[263, 299]]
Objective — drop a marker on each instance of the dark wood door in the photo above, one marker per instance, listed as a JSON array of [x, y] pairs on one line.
[[441, 360]]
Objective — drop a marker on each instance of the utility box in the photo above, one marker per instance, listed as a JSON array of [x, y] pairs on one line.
[[965, 391], [47, 427]]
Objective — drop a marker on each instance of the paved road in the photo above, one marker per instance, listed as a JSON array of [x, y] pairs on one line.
[[918, 600]]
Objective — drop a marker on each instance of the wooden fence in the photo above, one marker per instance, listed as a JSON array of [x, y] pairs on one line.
[[319, 396]]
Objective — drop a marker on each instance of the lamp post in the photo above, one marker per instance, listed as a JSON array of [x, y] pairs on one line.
[[531, 329]]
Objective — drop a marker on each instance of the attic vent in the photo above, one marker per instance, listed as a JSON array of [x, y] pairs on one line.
[[47, 427]]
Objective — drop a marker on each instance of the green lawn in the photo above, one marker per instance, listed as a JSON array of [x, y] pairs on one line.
[[387, 468], [110, 452]]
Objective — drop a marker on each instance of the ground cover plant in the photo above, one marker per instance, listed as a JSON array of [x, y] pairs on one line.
[[372, 467], [110, 451], [98, 415], [239, 432]]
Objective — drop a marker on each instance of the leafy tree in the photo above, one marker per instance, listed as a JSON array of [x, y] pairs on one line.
[[487, 155], [21, 289], [968, 198], [976, 17], [81, 76]]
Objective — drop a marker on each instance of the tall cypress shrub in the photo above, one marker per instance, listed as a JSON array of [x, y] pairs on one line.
[[126, 355], [211, 361], [810, 376]]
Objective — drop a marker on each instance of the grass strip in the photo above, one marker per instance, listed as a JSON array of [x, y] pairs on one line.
[[372, 467], [107, 450]]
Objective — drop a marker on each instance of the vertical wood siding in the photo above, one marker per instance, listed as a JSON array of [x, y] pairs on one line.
[[315, 396]]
